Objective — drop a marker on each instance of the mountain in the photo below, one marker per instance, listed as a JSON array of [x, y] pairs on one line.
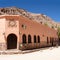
[[40, 18]]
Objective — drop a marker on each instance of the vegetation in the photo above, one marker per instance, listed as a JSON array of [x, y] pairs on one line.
[[53, 27], [58, 32], [45, 24]]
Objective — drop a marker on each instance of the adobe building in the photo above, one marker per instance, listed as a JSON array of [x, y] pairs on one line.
[[17, 32]]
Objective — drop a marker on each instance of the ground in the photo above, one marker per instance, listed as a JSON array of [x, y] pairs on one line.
[[47, 54]]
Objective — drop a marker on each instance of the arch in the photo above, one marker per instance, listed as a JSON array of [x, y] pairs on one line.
[[47, 40], [58, 40], [29, 38], [24, 38], [11, 41], [34, 38], [38, 37], [51, 41]]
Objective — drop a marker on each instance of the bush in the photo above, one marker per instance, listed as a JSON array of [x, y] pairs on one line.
[[58, 32]]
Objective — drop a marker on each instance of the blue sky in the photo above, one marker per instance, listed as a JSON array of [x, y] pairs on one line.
[[49, 7]]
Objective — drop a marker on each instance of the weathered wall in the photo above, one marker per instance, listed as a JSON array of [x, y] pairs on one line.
[[32, 28], [2, 34]]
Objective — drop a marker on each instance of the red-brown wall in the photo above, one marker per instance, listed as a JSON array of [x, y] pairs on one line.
[[32, 28]]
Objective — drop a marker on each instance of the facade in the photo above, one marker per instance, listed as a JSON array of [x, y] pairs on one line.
[[17, 32]]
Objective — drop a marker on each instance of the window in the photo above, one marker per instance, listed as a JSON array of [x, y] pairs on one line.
[[24, 38], [50, 40], [34, 38], [53, 39], [47, 40], [38, 37], [23, 26], [29, 38]]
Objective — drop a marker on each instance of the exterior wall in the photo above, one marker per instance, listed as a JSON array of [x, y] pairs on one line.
[[13, 30], [9, 29], [2, 34], [32, 28]]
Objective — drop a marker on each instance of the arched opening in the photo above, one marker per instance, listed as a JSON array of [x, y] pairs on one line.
[[11, 41], [47, 40], [59, 40], [38, 39], [29, 38], [24, 38], [51, 41], [34, 38]]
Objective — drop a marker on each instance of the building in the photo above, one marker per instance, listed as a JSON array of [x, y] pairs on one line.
[[18, 32]]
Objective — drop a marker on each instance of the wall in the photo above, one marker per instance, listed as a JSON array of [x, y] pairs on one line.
[[32, 28], [2, 34]]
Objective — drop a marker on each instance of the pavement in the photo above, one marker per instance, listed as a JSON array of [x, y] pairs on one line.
[[51, 53]]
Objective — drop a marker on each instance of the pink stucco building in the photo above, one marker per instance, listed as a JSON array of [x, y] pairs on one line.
[[17, 32]]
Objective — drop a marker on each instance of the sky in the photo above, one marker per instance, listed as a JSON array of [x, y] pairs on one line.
[[50, 8]]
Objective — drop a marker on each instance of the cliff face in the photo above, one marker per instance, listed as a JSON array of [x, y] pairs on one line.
[[43, 19], [40, 18]]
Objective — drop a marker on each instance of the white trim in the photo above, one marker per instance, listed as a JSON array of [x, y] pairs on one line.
[[8, 15]]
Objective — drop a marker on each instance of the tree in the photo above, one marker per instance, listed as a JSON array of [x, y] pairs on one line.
[[58, 32]]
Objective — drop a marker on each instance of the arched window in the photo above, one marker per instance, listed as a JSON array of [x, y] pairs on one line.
[[47, 40], [50, 39], [34, 38], [29, 38], [38, 38], [24, 38]]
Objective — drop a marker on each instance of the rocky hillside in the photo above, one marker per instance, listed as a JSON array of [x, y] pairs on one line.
[[40, 18], [43, 19]]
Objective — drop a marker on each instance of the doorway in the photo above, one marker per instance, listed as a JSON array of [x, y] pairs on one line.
[[12, 41]]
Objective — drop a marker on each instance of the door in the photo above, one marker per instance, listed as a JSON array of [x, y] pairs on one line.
[[12, 41]]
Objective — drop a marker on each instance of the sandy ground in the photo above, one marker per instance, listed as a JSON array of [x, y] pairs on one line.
[[48, 54]]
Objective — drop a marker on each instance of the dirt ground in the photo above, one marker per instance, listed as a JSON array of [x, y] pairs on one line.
[[53, 53]]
